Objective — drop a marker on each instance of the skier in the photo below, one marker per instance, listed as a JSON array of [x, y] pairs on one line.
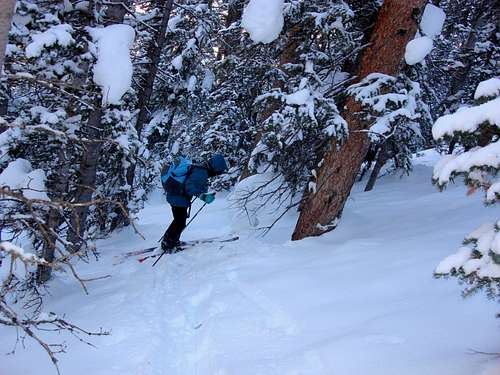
[[183, 181]]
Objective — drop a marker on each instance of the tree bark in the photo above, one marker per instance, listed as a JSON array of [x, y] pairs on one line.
[[87, 172], [6, 13], [54, 219], [396, 24], [43, 273], [382, 158], [90, 159], [155, 48], [154, 55]]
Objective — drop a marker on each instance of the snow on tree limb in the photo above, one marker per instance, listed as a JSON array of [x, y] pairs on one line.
[[113, 69], [431, 25], [488, 88], [446, 168], [478, 262], [432, 20], [263, 19], [59, 34], [475, 260], [467, 119]]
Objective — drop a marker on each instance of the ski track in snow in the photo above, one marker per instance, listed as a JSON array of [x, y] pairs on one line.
[[276, 317], [358, 301]]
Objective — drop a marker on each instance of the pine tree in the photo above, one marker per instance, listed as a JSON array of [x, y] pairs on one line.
[[298, 115], [43, 67], [396, 113], [224, 119], [321, 209], [108, 119], [477, 263], [465, 54]]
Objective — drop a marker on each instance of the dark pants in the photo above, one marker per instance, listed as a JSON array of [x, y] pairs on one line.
[[175, 229]]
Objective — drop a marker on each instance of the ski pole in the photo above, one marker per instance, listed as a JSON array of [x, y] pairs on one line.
[[197, 212], [156, 261]]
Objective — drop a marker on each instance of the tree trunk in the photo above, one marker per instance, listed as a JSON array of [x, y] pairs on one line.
[[154, 53], [43, 273], [6, 13], [87, 172], [90, 159], [58, 185], [382, 158], [369, 158], [396, 24]]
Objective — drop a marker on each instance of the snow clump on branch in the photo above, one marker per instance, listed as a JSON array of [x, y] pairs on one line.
[[478, 262], [263, 19], [431, 25], [113, 69], [59, 34]]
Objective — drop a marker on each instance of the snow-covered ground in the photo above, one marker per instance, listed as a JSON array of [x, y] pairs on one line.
[[360, 300]]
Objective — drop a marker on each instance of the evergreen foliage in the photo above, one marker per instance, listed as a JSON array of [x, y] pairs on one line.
[[396, 115], [298, 114], [477, 129]]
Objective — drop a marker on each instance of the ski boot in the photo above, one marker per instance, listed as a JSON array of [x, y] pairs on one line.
[[169, 246]]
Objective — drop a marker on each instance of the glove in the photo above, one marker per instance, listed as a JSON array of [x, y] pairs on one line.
[[207, 197]]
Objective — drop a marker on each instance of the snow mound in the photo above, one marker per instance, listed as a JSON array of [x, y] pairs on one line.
[[263, 19], [417, 49], [59, 34], [113, 69], [488, 88]]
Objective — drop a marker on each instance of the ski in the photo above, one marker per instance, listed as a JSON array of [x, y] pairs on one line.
[[187, 245], [140, 252], [121, 258]]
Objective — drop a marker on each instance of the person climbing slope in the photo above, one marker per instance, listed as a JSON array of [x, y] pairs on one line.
[[182, 181]]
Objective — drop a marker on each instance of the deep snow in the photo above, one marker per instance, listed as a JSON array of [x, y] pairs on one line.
[[359, 300]]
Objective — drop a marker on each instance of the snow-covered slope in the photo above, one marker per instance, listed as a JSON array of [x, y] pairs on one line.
[[358, 301]]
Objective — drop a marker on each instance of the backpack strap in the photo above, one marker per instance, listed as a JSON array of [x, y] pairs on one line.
[[165, 173], [188, 173]]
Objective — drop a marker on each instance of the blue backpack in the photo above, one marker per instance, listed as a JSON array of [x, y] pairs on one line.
[[173, 180]]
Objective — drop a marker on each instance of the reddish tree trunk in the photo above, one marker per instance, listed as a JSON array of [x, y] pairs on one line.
[[396, 24]]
